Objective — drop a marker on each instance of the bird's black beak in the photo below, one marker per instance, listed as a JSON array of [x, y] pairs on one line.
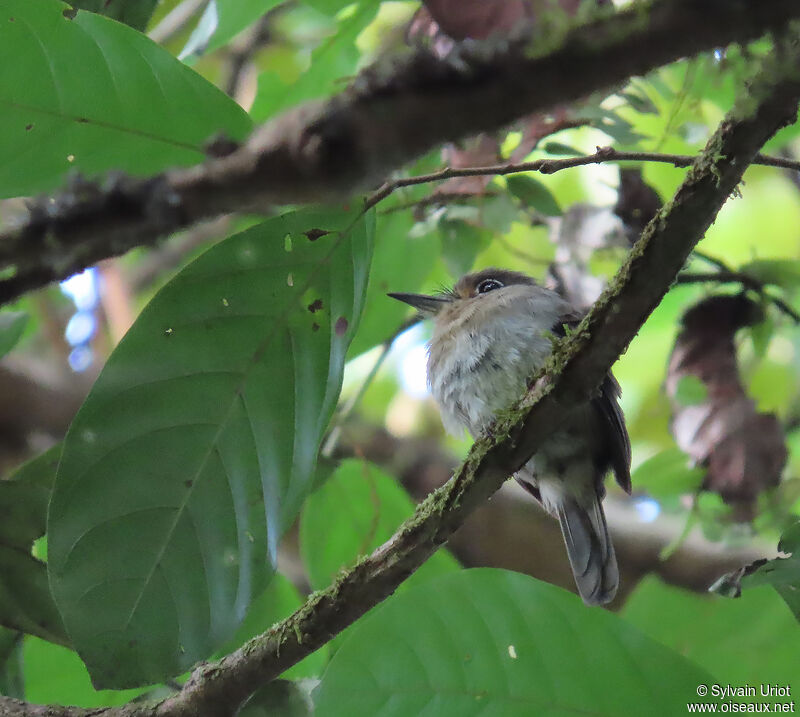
[[426, 305]]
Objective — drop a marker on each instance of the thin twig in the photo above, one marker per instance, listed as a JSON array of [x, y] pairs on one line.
[[726, 276], [551, 166], [711, 260]]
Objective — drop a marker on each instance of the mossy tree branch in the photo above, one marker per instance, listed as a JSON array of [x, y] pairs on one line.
[[392, 113]]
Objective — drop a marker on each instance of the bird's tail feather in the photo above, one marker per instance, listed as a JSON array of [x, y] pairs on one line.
[[590, 551]]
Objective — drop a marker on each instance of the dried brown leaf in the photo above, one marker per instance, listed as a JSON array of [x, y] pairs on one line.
[[743, 451]]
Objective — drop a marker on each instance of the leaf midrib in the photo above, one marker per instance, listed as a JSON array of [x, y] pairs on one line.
[[281, 322]]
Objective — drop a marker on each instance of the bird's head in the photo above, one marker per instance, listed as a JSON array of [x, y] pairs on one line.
[[469, 293]]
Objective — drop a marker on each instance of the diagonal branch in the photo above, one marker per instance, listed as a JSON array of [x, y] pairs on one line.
[[392, 113], [572, 375]]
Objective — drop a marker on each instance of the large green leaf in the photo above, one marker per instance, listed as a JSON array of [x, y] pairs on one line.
[[357, 509], [333, 61], [25, 601], [493, 642], [90, 94], [210, 410], [746, 641]]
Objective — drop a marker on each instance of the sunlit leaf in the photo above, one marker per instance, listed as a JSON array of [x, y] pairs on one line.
[[690, 391], [197, 444], [493, 642], [357, 509], [12, 325], [667, 473], [55, 674], [332, 63], [761, 334], [128, 105]]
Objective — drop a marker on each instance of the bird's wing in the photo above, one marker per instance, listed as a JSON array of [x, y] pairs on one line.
[[616, 442]]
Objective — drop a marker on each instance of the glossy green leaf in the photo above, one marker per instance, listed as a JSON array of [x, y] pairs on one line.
[[745, 641], [400, 263], [277, 602], [357, 509], [332, 62], [136, 13], [92, 95], [667, 473], [208, 412], [12, 325], [690, 391], [25, 601], [493, 642], [533, 193]]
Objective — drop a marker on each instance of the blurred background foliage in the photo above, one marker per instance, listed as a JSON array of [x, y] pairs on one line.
[[386, 447]]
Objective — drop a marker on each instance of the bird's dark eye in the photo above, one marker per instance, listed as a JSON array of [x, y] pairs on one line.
[[489, 285]]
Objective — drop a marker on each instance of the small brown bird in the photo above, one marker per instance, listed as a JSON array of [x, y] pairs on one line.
[[492, 332]]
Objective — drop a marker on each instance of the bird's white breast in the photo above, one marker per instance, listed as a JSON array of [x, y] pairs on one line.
[[483, 354]]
